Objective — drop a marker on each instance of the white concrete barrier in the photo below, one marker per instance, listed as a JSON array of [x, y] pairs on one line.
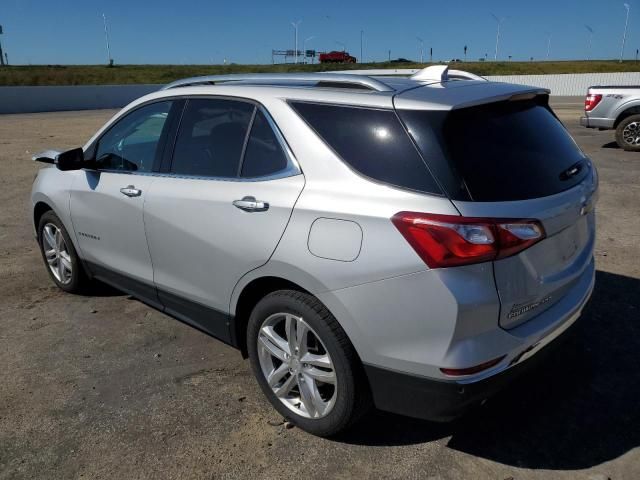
[[89, 97], [566, 85], [571, 84], [76, 97]]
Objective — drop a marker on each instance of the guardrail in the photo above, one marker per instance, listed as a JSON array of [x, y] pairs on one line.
[[90, 97]]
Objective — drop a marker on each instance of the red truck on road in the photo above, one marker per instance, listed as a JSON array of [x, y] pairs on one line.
[[336, 57]]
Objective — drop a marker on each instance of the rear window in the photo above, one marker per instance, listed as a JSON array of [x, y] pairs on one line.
[[504, 150], [372, 142]]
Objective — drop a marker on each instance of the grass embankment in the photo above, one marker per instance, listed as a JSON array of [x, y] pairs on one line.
[[122, 74]]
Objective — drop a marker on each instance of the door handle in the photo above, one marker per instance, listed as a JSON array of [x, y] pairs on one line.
[[250, 204], [131, 191]]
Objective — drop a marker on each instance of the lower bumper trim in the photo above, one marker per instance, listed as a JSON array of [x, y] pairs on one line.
[[442, 401]]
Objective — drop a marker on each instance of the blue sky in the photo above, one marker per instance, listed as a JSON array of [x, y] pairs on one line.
[[204, 32]]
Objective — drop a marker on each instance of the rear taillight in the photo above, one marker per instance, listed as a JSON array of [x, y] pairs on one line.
[[450, 240], [591, 101]]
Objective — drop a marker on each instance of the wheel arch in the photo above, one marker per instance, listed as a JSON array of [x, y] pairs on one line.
[[627, 112], [39, 209], [247, 298]]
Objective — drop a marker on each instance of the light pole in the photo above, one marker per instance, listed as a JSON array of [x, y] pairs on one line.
[[549, 46], [1, 55], [361, 54], [304, 47], [106, 38], [421, 49], [499, 23], [590, 30], [624, 35], [295, 27]]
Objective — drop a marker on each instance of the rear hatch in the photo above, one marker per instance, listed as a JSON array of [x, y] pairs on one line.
[[513, 159]]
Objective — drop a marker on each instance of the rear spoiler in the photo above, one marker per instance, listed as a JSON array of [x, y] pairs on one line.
[[456, 95]]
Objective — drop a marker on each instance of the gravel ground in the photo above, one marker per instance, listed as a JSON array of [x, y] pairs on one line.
[[101, 386]]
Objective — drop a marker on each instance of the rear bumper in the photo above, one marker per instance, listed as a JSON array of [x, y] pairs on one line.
[[444, 400], [441, 401], [594, 122]]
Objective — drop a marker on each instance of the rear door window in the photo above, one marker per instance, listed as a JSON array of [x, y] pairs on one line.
[[211, 137], [372, 142], [503, 151]]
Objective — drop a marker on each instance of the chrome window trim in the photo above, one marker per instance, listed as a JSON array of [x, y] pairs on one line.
[[286, 173]]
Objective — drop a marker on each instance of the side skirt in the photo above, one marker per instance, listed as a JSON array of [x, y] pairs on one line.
[[206, 319]]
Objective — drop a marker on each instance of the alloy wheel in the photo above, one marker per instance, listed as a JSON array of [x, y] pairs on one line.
[[631, 133], [297, 366], [56, 253]]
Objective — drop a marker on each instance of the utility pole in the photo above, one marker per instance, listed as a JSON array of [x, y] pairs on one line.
[[624, 35], [421, 49], [590, 30], [431, 55], [361, 54], [548, 46], [2, 57], [499, 23], [389, 56], [106, 38], [295, 27]]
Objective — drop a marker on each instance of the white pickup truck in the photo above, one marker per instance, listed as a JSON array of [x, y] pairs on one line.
[[609, 107]]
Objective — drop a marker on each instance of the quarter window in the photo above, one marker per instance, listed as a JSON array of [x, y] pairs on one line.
[[131, 144], [211, 137], [372, 142]]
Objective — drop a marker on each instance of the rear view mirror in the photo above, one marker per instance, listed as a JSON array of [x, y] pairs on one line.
[[70, 160]]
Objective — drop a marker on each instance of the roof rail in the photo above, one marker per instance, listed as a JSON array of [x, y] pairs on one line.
[[332, 79], [432, 73]]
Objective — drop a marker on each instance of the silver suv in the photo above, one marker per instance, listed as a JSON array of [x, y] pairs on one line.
[[407, 243]]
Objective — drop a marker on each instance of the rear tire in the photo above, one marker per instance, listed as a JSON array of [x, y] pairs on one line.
[[316, 380], [59, 255], [628, 133]]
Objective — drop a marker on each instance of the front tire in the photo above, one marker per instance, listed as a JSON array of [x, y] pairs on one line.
[[305, 364], [628, 133], [59, 254]]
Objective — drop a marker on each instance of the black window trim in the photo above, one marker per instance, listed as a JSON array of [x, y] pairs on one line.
[[441, 194], [292, 168]]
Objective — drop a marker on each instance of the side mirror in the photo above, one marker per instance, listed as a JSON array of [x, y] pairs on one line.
[[70, 160]]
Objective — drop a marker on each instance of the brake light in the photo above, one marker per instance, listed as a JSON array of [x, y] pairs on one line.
[[591, 101], [450, 240]]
